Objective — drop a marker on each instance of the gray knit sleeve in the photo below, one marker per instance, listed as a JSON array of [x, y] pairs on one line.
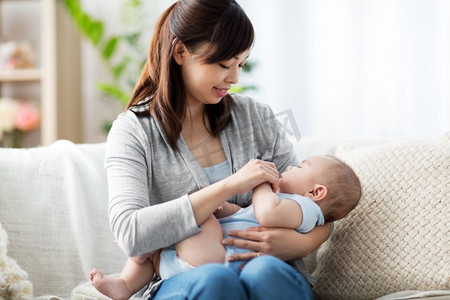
[[276, 132], [138, 226]]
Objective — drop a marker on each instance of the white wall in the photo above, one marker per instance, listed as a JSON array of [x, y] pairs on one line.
[[355, 68]]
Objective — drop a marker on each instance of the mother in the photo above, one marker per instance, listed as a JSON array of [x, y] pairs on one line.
[[181, 120]]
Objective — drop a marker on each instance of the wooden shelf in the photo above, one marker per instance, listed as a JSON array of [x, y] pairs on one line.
[[15, 75], [46, 24]]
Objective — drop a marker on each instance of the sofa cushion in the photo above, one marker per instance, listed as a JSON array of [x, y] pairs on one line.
[[398, 236]]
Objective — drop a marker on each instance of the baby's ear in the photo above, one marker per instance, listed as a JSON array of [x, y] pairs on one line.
[[318, 192]]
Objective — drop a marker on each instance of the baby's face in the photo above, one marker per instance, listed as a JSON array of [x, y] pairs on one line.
[[302, 178]]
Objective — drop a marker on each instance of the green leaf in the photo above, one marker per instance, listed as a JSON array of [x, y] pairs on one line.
[[71, 6], [95, 33], [115, 92], [106, 126], [240, 88], [135, 3], [248, 67], [92, 29], [118, 69], [132, 38], [110, 47]]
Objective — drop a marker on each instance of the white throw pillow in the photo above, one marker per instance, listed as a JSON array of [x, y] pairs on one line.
[[397, 238]]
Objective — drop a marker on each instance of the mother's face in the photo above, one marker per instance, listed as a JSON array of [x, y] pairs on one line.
[[207, 83]]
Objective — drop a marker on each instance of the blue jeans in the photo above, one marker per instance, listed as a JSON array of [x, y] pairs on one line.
[[264, 277]]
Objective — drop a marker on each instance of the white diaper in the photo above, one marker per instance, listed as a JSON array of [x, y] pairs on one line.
[[171, 264]]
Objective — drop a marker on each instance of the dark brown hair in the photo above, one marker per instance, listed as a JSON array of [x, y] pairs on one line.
[[224, 26], [344, 189]]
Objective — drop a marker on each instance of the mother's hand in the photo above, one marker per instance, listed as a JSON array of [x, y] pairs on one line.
[[253, 174], [286, 244], [262, 240]]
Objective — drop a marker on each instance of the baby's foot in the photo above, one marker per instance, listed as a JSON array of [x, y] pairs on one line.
[[113, 287]]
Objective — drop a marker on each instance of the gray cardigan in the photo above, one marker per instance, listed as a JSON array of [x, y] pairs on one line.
[[149, 183]]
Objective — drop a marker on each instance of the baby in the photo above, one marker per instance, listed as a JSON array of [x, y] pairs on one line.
[[320, 189]]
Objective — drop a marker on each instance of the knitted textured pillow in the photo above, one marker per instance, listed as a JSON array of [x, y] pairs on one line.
[[397, 238]]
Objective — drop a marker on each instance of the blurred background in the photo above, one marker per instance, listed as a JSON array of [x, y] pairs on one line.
[[370, 69]]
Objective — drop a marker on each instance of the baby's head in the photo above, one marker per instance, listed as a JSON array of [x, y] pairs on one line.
[[328, 181]]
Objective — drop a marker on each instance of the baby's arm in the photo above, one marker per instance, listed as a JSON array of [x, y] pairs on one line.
[[271, 211]]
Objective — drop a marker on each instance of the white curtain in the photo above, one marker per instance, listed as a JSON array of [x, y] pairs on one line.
[[354, 68]]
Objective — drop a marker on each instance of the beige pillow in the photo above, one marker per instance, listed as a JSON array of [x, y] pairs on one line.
[[398, 236]]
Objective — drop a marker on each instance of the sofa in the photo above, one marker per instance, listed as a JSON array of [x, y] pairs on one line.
[[395, 245]]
